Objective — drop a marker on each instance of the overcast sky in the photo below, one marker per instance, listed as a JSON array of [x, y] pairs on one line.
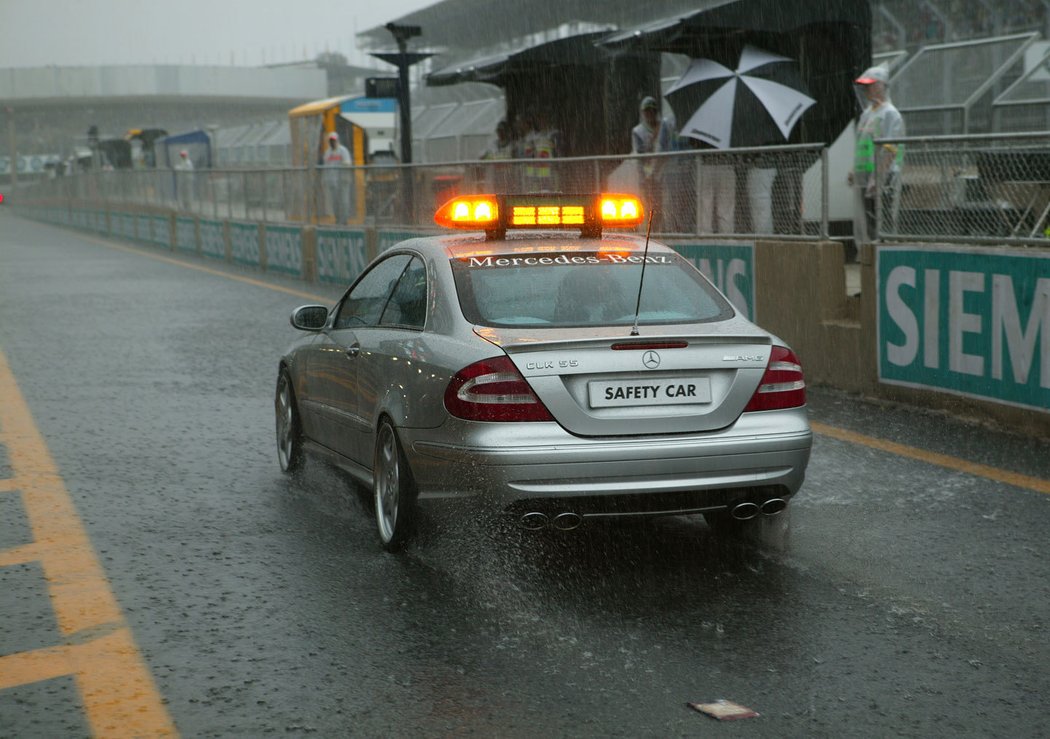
[[36, 33]]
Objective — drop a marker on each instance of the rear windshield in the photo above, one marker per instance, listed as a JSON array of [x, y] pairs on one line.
[[584, 289]]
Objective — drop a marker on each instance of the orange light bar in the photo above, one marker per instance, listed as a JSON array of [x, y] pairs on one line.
[[469, 211], [620, 210], [523, 215], [547, 215], [572, 215], [587, 212]]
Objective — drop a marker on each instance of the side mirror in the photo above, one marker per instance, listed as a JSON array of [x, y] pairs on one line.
[[310, 317]]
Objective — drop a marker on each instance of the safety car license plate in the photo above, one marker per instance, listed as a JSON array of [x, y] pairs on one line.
[[676, 391]]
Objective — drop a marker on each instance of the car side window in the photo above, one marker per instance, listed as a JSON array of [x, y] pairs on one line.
[[407, 306], [365, 302]]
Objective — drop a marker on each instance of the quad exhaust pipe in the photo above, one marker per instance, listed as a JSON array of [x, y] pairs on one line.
[[568, 520], [536, 520], [747, 510], [773, 506]]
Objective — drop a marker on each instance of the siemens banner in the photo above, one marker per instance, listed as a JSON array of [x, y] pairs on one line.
[[974, 322], [731, 267]]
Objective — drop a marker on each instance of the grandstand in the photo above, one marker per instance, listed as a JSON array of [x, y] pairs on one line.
[[910, 24], [964, 67]]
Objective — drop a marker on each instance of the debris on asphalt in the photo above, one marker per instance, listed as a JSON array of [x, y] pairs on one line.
[[723, 710]]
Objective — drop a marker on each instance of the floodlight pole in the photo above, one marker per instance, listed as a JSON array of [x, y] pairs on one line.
[[404, 59]]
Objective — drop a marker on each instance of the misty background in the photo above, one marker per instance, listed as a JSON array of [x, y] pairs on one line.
[[204, 32]]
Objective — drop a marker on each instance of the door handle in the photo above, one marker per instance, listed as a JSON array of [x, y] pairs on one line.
[[353, 350]]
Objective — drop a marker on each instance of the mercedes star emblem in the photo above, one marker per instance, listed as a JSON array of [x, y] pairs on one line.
[[651, 360]]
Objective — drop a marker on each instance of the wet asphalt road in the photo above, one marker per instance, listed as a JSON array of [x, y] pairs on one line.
[[909, 599]]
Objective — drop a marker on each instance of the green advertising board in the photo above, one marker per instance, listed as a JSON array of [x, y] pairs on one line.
[[730, 266], [244, 243], [968, 321], [284, 249], [341, 254], [390, 239]]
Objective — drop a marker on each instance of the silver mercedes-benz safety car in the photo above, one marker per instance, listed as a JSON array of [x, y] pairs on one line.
[[560, 377]]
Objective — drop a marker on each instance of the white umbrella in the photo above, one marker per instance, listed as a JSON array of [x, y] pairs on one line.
[[721, 111]]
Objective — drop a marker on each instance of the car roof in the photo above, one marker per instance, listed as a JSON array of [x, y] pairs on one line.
[[458, 246]]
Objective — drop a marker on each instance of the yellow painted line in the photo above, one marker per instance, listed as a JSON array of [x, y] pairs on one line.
[[32, 667], [115, 706], [1016, 479], [21, 555], [7, 485], [117, 690]]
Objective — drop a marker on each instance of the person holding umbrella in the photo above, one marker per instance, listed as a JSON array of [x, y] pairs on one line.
[[754, 100], [874, 165]]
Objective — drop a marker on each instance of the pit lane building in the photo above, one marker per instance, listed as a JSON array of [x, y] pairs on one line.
[[46, 111]]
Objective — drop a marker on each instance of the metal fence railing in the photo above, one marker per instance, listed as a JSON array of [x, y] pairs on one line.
[[738, 193], [978, 189], [981, 189]]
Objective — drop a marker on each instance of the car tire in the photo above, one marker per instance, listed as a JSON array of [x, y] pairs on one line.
[[289, 428], [393, 490]]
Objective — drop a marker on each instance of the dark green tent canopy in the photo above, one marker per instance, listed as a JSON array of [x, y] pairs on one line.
[[587, 92]]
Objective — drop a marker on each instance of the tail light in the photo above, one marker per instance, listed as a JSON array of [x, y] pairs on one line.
[[782, 386], [493, 390]]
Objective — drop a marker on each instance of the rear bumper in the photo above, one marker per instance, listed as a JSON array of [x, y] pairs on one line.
[[509, 463]]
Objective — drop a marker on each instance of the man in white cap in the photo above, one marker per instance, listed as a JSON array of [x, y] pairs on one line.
[[337, 182], [876, 165], [184, 177], [652, 134]]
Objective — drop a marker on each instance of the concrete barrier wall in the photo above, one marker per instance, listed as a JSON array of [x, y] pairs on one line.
[[795, 289]]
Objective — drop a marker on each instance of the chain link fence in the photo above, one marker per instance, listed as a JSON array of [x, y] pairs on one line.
[[978, 189], [740, 193], [981, 189]]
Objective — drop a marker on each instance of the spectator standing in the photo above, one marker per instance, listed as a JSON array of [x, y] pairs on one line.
[[184, 180], [540, 145], [652, 134], [502, 148], [760, 179], [715, 194], [336, 177], [876, 165]]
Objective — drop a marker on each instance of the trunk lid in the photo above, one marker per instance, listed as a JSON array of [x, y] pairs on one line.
[[599, 382]]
